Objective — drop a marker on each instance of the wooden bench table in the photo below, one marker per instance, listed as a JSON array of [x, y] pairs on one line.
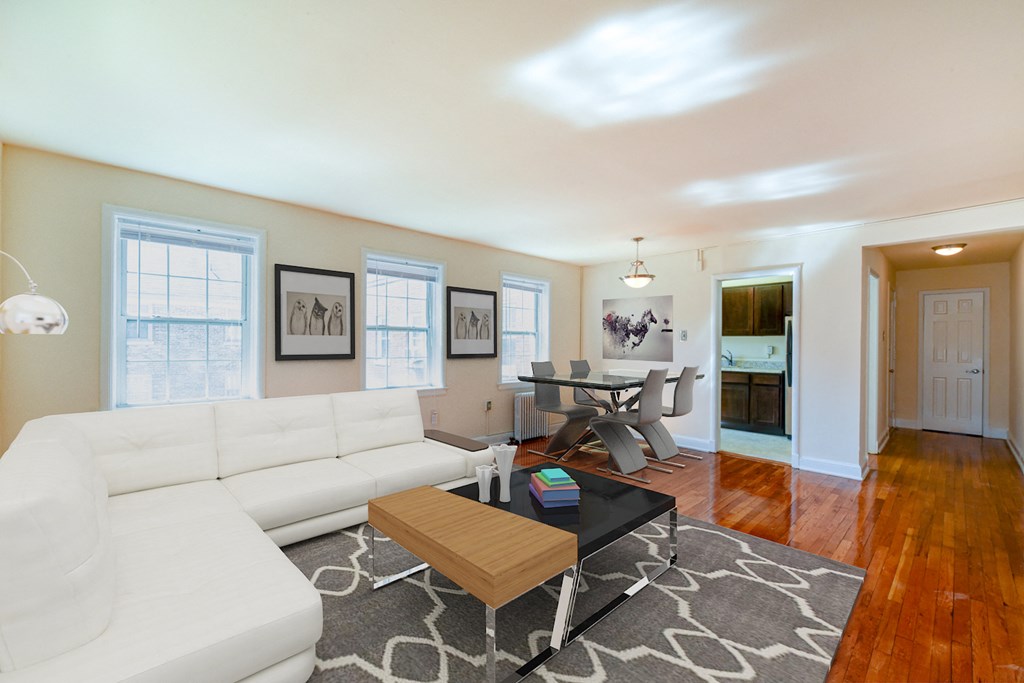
[[492, 554]]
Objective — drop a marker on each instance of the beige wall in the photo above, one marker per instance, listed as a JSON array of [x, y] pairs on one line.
[[876, 262], [51, 215], [3, 289], [909, 285], [1016, 390], [831, 384]]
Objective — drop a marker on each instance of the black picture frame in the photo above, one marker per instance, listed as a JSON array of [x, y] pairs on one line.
[[475, 333], [308, 299]]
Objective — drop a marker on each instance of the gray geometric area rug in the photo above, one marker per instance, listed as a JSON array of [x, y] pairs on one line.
[[734, 608]]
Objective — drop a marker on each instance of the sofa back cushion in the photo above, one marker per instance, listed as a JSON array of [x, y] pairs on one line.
[[255, 435], [56, 557], [143, 448], [366, 420]]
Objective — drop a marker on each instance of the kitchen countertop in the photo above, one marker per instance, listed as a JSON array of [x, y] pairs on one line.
[[760, 371]]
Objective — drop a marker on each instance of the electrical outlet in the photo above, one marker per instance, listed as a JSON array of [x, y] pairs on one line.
[[487, 404], [433, 418], [682, 335]]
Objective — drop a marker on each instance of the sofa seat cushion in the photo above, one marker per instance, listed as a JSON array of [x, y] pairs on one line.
[[211, 599], [292, 493], [169, 505], [397, 468]]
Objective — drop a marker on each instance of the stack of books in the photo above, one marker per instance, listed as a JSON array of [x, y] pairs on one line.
[[553, 488]]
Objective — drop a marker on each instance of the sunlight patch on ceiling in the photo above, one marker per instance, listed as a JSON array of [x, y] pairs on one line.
[[656, 63], [767, 186]]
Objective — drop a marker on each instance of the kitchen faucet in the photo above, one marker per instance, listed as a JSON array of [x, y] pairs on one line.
[[729, 359]]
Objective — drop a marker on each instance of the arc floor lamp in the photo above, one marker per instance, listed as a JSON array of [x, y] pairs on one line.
[[31, 313]]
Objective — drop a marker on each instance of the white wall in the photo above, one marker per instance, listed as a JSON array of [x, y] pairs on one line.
[[1016, 387], [51, 213], [753, 348], [831, 427]]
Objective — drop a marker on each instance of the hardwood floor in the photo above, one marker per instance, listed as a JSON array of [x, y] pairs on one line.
[[938, 524]]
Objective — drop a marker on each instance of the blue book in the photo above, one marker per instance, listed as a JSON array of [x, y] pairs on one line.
[[548, 503]]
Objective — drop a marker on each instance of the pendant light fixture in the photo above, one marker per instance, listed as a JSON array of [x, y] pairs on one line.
[[31, 313], [635, 278]]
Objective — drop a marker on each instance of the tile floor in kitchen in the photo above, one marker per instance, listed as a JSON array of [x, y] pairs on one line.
[[767, 446]]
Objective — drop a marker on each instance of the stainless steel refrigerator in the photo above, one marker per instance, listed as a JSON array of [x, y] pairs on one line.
[[789, 376]]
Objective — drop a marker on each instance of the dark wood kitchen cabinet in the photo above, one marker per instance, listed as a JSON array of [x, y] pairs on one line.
[[737, 312], [735, 397], [753, 402], [768, 311], [757, 310]]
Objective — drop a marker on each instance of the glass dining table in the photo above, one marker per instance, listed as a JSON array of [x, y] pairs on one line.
[[611, 383]]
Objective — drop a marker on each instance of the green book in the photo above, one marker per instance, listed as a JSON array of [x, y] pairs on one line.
[[555, 476]]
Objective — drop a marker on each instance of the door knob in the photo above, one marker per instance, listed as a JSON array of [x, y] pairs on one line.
[[973, 372]]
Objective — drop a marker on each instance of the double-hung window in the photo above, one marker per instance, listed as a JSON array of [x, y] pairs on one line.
[[525, 324], [185, 302], [403, 322]]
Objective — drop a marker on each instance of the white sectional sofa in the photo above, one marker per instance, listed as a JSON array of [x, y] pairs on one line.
[[141, 544]]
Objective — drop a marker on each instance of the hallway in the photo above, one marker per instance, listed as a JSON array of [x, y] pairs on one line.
[[938, 524]]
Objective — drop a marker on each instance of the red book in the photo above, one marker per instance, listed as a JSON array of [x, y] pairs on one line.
[[551, 493]]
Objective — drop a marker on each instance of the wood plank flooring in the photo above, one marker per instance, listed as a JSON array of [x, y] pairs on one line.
[[938, 524]]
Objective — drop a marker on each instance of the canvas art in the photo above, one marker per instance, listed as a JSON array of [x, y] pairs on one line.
[[637, 329], [472, 330], [314, 315]]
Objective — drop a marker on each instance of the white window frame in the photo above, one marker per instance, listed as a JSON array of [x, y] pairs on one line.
[[543, 324], [113, 327], [435, 318]]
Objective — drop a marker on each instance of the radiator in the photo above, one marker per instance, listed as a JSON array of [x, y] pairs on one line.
[[529, 422]]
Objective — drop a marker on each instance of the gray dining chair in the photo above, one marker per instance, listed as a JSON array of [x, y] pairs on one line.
[[548, 399], [580, 396], [625, 457], [663, 446]]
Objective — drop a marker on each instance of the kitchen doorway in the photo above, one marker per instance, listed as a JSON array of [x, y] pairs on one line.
[[755, 368]]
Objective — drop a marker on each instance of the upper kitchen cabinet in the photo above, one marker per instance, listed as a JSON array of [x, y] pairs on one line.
[[768, 311], [758, 310], [738, 312]]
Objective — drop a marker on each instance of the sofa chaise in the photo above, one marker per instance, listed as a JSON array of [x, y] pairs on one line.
[[142, 544]]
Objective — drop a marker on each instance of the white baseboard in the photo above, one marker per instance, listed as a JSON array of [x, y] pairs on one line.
[[1015, 449], [906, 424], [997, 433], [884, 441], [703, 445], [837, 469], [492, 439]]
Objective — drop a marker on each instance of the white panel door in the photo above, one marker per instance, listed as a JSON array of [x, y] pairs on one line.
[[953, 355]]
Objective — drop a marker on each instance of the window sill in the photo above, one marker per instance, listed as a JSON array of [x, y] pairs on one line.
[[515, 386], [432, 391]]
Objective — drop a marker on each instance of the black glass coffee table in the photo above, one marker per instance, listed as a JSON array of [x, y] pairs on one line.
[[608, 510]]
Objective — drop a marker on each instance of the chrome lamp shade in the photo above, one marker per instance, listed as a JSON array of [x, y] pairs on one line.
[[31, 313]]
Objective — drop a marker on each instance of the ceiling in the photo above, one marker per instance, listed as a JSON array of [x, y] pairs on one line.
[[994, 247], [554, 129]]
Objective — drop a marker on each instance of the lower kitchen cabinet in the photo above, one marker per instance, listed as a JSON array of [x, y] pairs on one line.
[[753, 402]]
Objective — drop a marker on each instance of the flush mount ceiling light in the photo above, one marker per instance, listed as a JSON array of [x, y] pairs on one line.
[[949, 249], [634, 278], [31, 313]]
